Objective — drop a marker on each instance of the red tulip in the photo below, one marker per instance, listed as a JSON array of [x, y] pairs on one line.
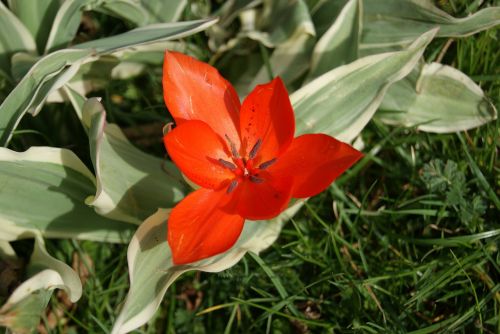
[[244, 157]]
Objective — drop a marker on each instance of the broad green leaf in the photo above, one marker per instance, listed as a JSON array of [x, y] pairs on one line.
[[131, 184], [152, 272], [130, 10], [240, 68], [438, 98], [93, 75], [227, 13], [342, 101], [142, 12], [40, 80], [281, 21], [392, 24], [161, 11], [139, 12], [230, 10], [145, 35], [57, 68], [21, 62], [44, 190], [291, 32], [14, 37], [324, 13], [24, 308], [339, 44], [65, 24], [288, 61], [37, 16]]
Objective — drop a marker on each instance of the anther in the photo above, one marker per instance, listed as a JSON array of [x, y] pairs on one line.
[[255, 149], [227, 164], [234, 151], [232, 186], [266, 164], [256, 179]]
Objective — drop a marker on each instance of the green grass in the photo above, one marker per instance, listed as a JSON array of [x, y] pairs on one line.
[[405, 242]]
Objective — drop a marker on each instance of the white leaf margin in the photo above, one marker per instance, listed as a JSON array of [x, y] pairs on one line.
[[407, 117], [58, 275], [455, 75], [43, 155], [24, 34], [348, 134]]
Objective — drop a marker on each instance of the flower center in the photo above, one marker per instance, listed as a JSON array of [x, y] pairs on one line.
[[243, 167]]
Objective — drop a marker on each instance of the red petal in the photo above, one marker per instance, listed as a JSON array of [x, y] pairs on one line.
[[267, 114], [314, 161], [264, 200], [196, 148], [198, 228], [194, 90]]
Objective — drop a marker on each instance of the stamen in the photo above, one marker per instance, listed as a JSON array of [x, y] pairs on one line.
[[266, 164], [232, 186], [256, 179], [227, 164], [255, 149], [234, 151]]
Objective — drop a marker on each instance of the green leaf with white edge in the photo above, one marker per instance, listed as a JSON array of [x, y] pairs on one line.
[[142, 12], [161, 11], [339, 44], [393, 24], [145, 35], [324, 14], [289, 61], [14, 37], [37, 16], [21, 62], [437, 98], [57, 68], [152, 271], [131, 184], [228, 12], [293, 37], [130, 10], [26, 305], [281, 21], [44, 190], [342, 101], [69, 16], [40, 80], [65, 24], [90, 77], [6, 250]]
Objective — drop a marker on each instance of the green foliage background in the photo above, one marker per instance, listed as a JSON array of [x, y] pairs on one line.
[[405, 242]]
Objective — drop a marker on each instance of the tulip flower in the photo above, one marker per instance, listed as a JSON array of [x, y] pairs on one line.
[[244, 157]]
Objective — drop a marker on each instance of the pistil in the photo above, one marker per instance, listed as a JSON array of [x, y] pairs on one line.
[[244, 167]]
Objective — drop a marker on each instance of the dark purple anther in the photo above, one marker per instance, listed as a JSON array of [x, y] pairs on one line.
[[255, 149], [234, 151], [256, 179], [232, 186], [227, 164], [266, 164]]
